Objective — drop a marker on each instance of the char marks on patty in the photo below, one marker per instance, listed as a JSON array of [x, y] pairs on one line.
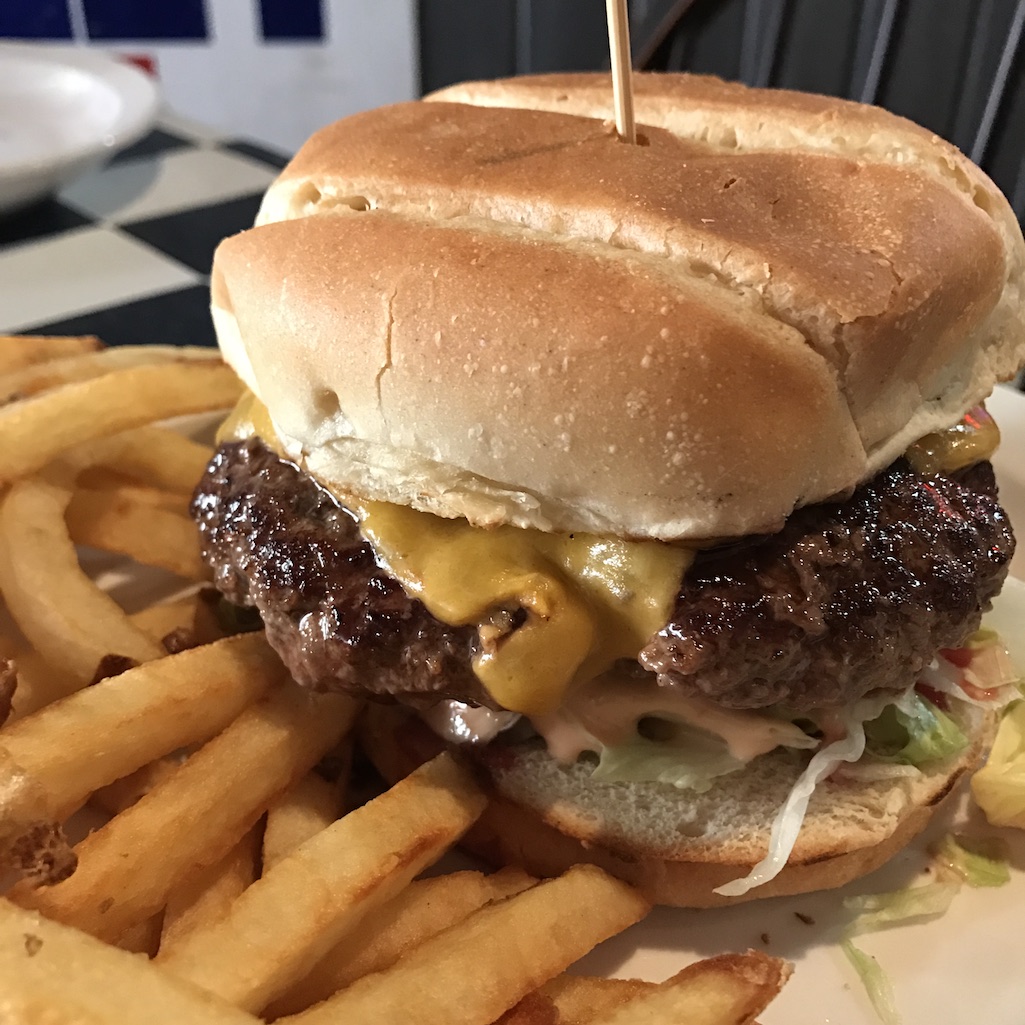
[[849, 597], [281, 543]]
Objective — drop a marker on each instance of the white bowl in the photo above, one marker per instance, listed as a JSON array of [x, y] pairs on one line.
[[64, 110]]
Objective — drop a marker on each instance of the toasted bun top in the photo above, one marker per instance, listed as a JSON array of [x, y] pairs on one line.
[[509, 315]]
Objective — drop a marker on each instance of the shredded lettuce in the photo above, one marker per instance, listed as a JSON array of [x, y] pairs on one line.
[[789, 818], [876, 911], [876, 982], [691, 762], [913, 731], [879, 910], [977, 861], [999, 786]]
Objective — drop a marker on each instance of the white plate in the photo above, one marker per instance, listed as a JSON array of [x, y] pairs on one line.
[[62, 111], [963, 967]]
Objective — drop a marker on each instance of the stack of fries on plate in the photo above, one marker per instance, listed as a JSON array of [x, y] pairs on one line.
[[225, 881]]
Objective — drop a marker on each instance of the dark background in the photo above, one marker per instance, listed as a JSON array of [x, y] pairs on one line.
[[955, 66]]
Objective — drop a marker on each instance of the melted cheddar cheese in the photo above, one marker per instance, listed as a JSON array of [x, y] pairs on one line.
[[587, 600], [972, 440]]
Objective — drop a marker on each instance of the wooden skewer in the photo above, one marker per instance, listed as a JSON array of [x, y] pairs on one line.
[[622, 69]]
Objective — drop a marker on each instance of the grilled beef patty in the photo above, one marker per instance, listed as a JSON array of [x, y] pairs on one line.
[[849, 597], [278, 541]]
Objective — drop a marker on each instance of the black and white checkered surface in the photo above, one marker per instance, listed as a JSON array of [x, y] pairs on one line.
[[124, 253]]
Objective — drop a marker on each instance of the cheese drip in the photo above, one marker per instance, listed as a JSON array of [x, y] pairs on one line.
[[972, 440], [588, 600]]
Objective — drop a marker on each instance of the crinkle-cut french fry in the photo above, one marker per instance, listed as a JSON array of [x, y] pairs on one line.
[[202, 898], [65, 616], [474, 971], [51, 974], [123, 793], [296, 815], [574, 1000], [730, 988], [129, 866], [36, 431], [17, 351], [420, 911], [155, 457], [39, 377], [143, 714], [306, 903], [122, 521]]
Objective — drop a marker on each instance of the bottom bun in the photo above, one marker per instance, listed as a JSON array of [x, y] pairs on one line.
[[674, 845]]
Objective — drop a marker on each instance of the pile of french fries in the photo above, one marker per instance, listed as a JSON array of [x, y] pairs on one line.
[[224, 878]]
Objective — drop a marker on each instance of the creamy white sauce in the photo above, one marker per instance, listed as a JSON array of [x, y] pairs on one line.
[[606, 711], [459, 723]]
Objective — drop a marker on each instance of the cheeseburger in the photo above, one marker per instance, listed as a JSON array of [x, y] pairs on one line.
[[655, 477]]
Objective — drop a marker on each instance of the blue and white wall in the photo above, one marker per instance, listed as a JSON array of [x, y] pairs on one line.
[[273, 70]]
